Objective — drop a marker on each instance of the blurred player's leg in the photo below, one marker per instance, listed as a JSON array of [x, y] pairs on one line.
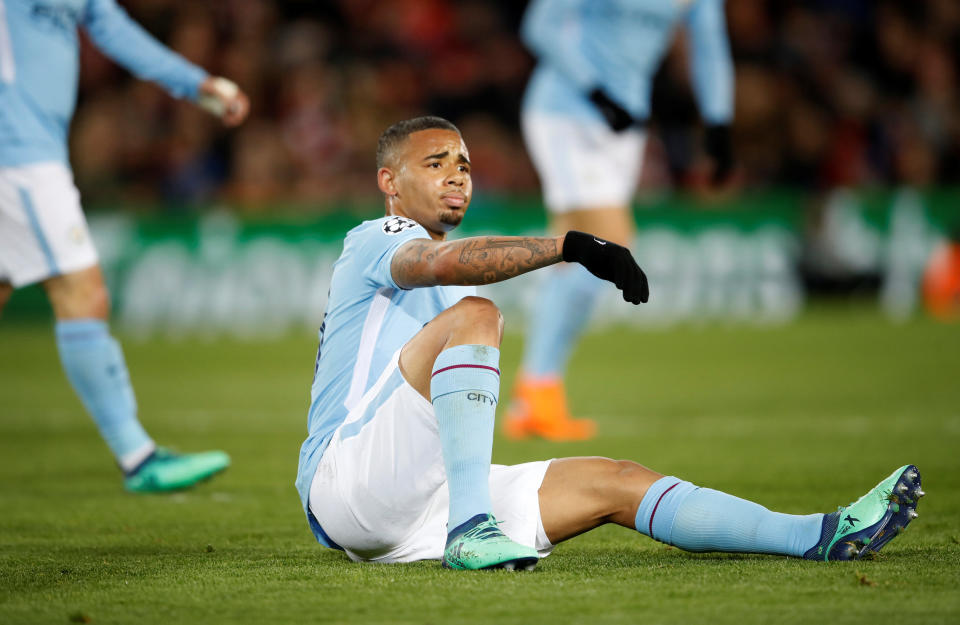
[[588, 175], [456, 357], [579, 494], [44, 237], [94, 363]]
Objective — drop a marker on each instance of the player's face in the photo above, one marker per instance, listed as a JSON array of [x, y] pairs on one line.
[[432, 178]]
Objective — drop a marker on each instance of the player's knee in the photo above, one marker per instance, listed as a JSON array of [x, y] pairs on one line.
[[628, 483], [628, 471], [480, 313], [614, 486], [82, 298], [98, 302], [92, 301]]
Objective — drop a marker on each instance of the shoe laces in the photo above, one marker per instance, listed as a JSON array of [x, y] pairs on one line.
[[163, 454], [486, 529]]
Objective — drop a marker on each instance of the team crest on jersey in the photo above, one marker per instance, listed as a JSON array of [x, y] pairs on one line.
[[396, 225]]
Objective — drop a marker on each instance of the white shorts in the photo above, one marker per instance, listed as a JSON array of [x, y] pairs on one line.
[[581, 164], [43, 232], [380, 490]]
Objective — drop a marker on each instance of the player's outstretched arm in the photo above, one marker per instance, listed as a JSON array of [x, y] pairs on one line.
[[485, 260], [128, 43], [472, 261]]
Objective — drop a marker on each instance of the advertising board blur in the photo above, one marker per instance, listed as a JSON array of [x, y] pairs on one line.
[[217, 273]]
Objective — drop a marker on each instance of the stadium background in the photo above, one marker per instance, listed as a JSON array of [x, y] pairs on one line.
[[786, 356], [847, 137]]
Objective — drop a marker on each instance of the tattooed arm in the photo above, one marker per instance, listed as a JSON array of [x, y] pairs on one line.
[[476, 260]]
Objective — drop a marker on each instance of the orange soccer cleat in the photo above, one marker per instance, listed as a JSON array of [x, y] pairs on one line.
[[539, 408], [941, 282]]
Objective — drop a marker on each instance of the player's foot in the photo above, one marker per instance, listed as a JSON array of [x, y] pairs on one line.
[[479, 544], [539, 408], [872, 521], [165, 470]]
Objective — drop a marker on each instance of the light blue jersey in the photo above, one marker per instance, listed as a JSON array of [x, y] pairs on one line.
[[39, 65], [368, 319], [617, 45]]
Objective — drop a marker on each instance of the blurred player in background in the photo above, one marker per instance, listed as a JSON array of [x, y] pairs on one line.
[[43, 232], [396, 466], [583, 122], [941, 279]]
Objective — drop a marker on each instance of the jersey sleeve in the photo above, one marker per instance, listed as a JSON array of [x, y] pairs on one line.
[[127, 43], [710, 65], [378, 244], [552, 30]]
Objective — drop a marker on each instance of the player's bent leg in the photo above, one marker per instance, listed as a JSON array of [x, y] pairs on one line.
[[471, 321], [455, 358], [94, 364]]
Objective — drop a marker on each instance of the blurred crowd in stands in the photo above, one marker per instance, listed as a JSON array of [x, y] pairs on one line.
[[828, 93]]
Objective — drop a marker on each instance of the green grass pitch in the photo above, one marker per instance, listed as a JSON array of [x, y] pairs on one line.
[[800, 418]]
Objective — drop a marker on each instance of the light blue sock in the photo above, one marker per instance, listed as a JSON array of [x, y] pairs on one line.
[[701, 519], [465, 388], [95, 367], [567, 298]]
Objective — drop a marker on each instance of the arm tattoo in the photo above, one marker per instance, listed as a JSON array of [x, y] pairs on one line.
[[499, 258], [477, 260]]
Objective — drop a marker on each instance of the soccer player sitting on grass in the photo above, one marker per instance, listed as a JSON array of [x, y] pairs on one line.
[[396, 467]]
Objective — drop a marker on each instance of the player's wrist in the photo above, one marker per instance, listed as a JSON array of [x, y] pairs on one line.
[[574, 245]]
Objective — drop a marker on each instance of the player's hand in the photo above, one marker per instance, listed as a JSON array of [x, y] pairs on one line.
[[607, 261], [225, 99], [617, 117], [719, 147]]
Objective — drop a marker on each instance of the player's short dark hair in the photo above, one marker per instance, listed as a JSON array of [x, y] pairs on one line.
[[398, 133]]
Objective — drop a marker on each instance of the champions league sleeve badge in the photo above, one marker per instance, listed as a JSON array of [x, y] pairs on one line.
[[396, 225]]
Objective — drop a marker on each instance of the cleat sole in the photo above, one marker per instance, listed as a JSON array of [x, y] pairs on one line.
[[897, 518], [888, 512], [520, 564]]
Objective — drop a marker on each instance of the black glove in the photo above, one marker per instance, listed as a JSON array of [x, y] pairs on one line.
[[720, 149], [607, 261], [617, 117]]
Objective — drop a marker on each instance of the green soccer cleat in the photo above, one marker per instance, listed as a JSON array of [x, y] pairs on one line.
[[479, 544], [165, 471], [872, 521]]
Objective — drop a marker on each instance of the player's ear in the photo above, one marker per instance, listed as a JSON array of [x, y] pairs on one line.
[[386, 180]]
